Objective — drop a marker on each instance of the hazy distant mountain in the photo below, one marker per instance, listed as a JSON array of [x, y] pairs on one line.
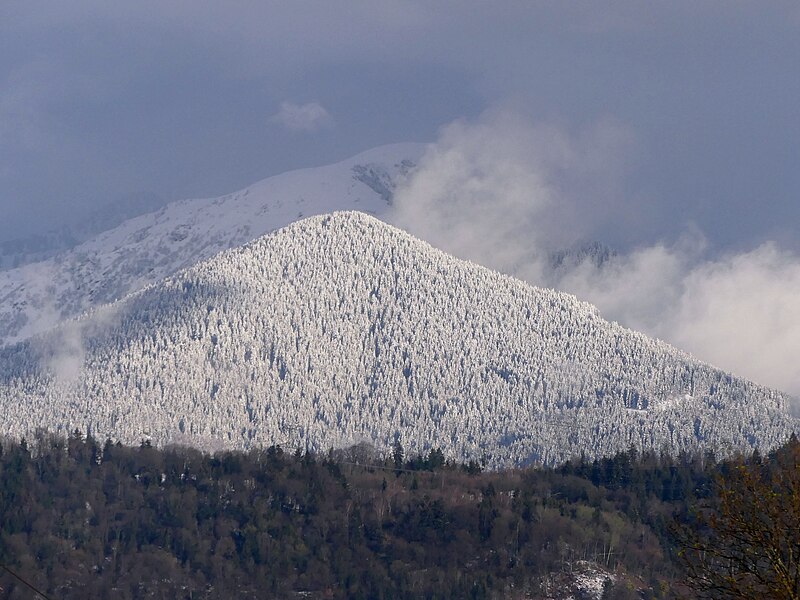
[[340, 329], [21, 251], [58, 279], [598, 255]]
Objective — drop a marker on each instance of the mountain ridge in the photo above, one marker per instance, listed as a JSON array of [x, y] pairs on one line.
[[146, 248], [340, 328]]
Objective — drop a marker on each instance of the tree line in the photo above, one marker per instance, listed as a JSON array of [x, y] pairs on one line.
[[82, 518]]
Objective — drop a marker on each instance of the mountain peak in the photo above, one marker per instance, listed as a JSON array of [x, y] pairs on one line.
[[339, 329]]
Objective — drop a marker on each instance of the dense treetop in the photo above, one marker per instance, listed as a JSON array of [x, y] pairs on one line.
[[80, 518]]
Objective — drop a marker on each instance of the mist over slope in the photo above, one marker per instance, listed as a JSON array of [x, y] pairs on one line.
[[508, 193], [339, 329], [143, 250]]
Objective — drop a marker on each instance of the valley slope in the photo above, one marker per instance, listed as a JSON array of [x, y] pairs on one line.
[[340, 329]]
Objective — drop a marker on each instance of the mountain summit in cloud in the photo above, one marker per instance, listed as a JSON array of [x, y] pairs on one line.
[[340, 329]]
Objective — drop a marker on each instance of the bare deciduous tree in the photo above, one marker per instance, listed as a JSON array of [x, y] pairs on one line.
[[745, 543]]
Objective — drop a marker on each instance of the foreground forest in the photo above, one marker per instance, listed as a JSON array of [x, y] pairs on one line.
[[83, 519]]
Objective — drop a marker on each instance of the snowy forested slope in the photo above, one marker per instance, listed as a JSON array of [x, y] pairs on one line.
[[340, 329], [145, 249]]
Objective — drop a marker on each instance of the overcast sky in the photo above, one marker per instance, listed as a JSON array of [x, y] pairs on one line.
[[667, 130], [100, 100]]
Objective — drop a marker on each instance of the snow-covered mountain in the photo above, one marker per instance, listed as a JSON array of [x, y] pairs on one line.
[[339, 329], [143, 250]]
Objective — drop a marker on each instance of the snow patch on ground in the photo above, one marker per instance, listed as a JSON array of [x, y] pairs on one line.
[[590, 579]]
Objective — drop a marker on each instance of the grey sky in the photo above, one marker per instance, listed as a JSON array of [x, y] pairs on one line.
[[101, 99]]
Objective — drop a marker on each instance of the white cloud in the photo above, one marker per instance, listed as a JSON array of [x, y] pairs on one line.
[[740, 312], [743, 312], [505, 193], [309, 117], [63, 352], [639, 288], [502, 191]]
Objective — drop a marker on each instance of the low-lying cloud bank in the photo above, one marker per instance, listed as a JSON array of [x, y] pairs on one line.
[[506, 193]]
